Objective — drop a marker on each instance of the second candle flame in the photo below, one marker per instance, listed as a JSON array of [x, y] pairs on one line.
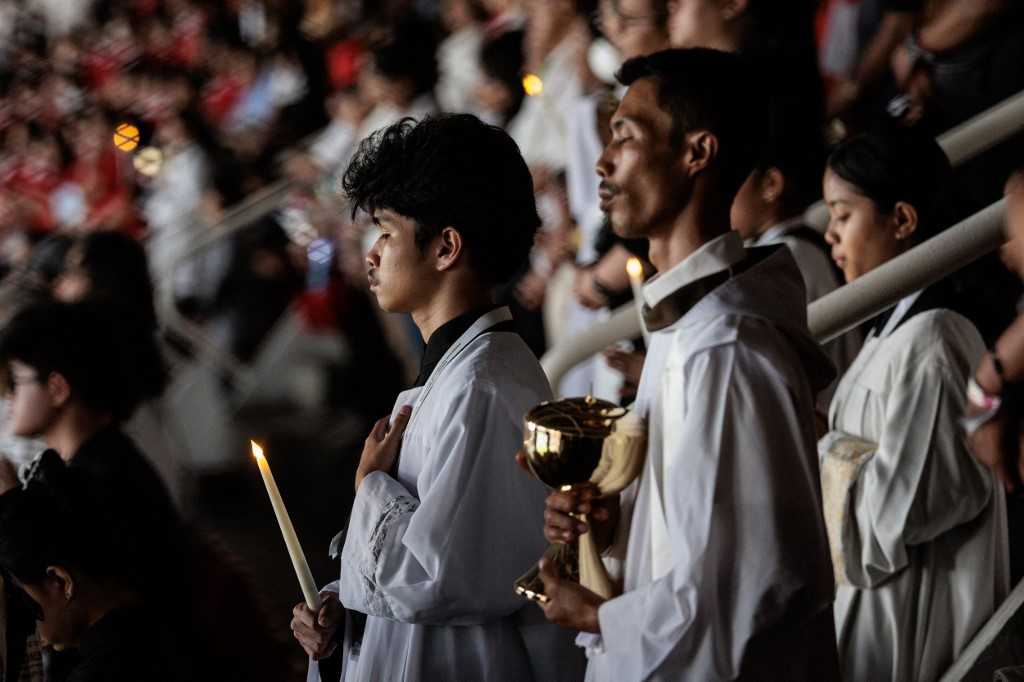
[[257, 451]]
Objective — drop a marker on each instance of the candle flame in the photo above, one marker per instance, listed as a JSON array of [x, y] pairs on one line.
[[635, 268], [532, 84], [257, 451]]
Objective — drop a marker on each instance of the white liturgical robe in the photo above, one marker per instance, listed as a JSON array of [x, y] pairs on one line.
[[924, 547], [721, 541], [431, 555]]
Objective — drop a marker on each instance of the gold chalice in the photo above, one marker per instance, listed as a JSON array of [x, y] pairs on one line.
[[574, 441]]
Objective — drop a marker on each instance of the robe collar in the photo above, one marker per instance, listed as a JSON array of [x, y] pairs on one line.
[[776, 232], [443, 338], [667, 296]]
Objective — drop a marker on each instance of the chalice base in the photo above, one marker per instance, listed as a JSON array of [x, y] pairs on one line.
[[564, 557]]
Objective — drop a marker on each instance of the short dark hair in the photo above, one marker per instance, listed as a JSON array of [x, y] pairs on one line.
[[501, 59], [451, 171], [892, 166], [118, 272], [704, 89], [57, 521], [111, 365]]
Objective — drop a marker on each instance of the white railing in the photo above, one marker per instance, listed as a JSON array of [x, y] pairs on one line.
[[236, 219], [837, 312], [985, 636], [925, 264]]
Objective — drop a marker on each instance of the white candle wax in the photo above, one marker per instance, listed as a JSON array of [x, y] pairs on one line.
[[291, 541], [635, 270]]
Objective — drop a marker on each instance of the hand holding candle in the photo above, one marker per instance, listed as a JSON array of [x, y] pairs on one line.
[[291, 541], [635, 270]]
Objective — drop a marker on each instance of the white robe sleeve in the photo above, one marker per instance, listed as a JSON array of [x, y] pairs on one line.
[[921, 481], [742, 518], [452, 556]]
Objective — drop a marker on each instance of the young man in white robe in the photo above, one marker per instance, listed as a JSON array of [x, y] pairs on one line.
[[443, 522], [721, 541]]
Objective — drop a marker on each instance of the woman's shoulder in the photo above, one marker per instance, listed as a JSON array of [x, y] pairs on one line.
[[940, 336]]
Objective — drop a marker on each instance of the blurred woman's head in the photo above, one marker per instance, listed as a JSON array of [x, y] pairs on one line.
[[109, 268], [885, 193], [499, 91], [634, 27], [68, 361]]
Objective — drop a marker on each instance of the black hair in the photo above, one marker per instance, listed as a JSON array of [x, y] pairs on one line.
[[49, 256], [908, 166], [451, 171], [798, 152], [410, 54], [55, 521], [501, 59], [118, 272], [110, 365], [704, 89]]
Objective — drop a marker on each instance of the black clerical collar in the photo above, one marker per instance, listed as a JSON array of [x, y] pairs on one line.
[[443, 338]]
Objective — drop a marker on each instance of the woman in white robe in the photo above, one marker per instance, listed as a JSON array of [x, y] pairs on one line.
[[917, 527]]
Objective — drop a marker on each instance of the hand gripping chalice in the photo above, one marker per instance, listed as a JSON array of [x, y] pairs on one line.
[[571, 442]]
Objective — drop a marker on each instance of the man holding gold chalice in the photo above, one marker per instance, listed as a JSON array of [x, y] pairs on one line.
[[718, 552]]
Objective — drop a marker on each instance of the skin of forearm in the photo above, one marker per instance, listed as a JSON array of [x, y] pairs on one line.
[[956, 22], [896, 26]]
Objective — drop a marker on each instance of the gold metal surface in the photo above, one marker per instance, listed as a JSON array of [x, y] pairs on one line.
[[571, 442]]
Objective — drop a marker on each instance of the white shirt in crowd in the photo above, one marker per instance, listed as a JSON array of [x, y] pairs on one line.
[[459, 65], [722, 539], [924, 547], [431, 555], [541, 128]]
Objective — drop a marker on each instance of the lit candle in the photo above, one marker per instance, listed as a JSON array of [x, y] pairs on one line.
[[635, 269], [291, 541]]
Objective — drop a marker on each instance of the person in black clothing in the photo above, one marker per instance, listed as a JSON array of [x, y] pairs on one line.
[[75, 372], [82, 585]]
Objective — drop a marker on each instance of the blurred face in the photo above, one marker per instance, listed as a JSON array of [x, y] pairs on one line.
[[32, 409], [58, 622], [398, 272], [862, 237], [699, 23], [643, 187], [492, 95], [632, 27], [1013, 250]]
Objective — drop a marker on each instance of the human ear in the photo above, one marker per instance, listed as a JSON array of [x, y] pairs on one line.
[[58, 389], [701, 150], [449, 248], [905, 218], [61, 579], [773, 184]]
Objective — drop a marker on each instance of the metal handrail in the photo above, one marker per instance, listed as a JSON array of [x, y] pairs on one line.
[[234, 220], [837, 312]]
